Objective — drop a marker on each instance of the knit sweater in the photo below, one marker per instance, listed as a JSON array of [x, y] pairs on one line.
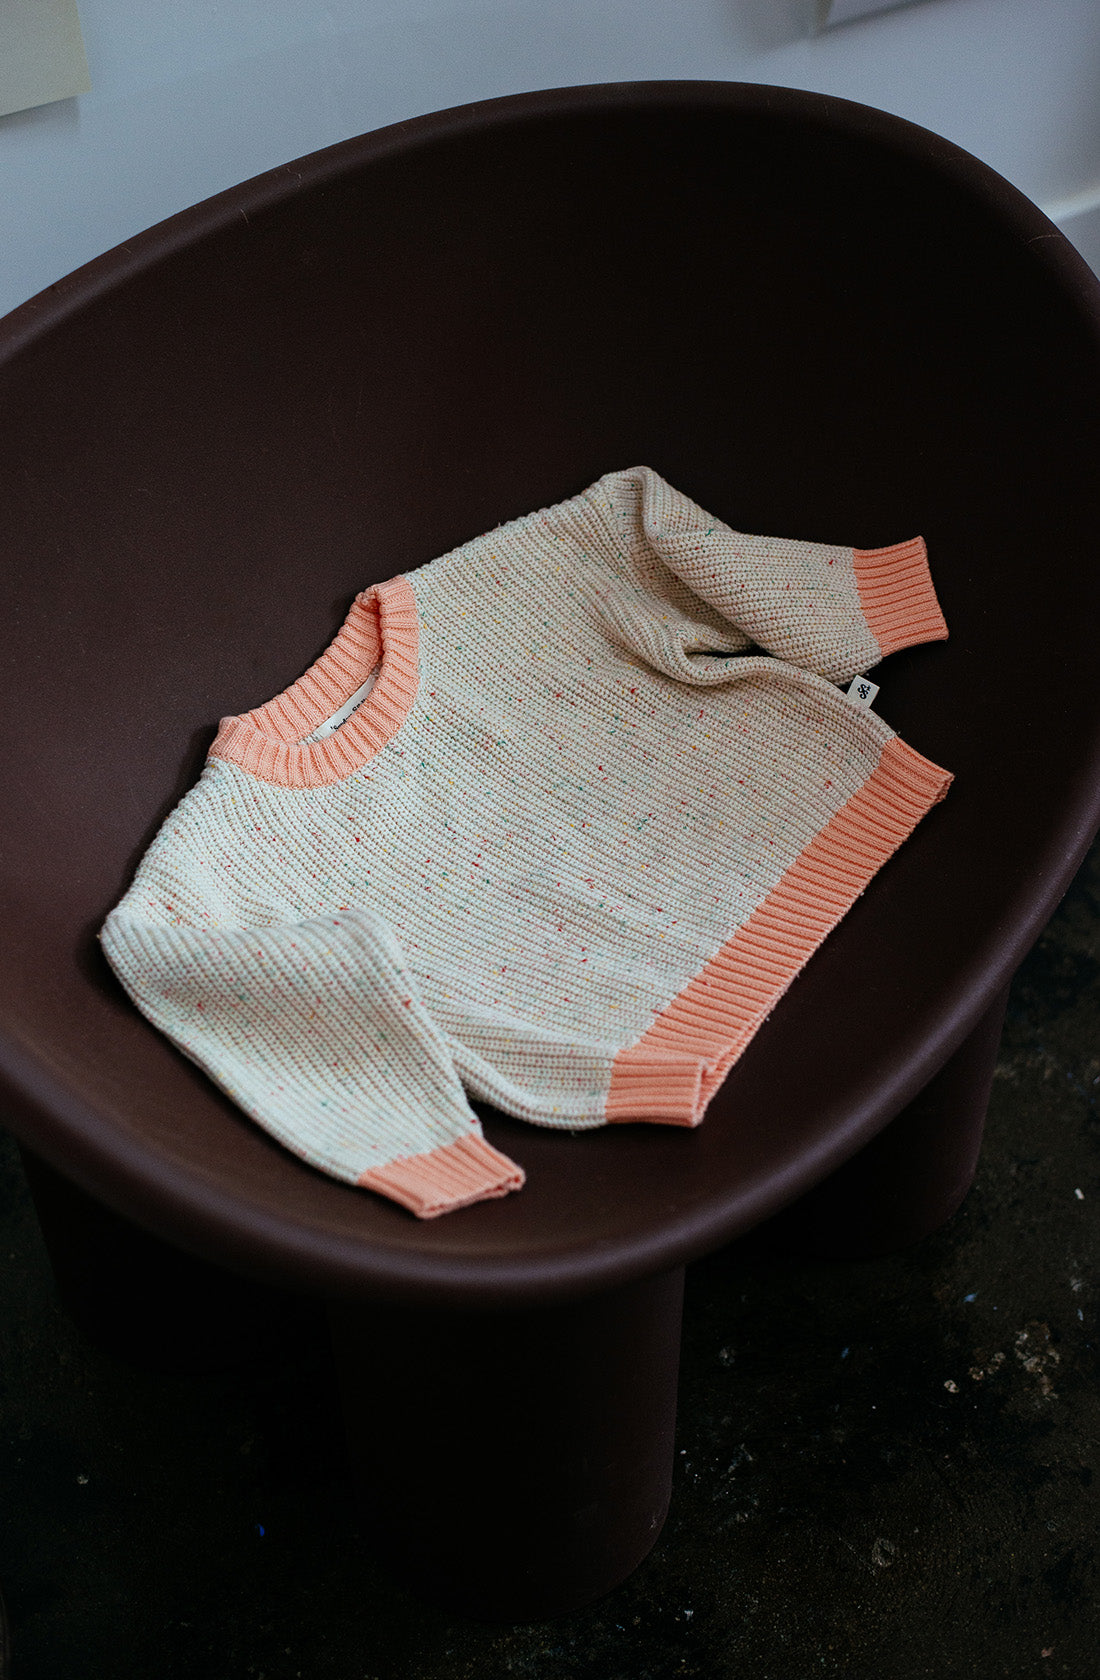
[[553, 823]]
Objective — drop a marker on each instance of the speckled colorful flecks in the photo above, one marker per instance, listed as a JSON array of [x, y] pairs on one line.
[[553, 822]]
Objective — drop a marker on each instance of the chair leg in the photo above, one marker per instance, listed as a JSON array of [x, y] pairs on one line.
[[144, 1301], [514, 1465], [913, 1176]]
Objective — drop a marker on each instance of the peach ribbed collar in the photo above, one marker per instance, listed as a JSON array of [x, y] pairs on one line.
[[380, 631]]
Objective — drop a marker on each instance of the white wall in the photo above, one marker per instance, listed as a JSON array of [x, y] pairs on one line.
[[192, 96]]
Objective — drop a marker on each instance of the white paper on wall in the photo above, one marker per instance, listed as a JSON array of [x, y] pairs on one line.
[[41, 54]]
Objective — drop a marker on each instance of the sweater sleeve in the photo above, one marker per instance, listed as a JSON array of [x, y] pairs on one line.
[[833, 610], [317, 1030]]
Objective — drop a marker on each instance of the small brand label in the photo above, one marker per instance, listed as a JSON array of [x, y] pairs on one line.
[[341, 717], [861, 691]]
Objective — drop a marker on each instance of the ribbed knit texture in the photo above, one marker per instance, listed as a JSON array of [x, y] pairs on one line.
[[599, 804]]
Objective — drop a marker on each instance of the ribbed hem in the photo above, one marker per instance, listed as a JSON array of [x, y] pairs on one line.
[[897, 597], [269, 741], [714, 1017], [452, 1176]]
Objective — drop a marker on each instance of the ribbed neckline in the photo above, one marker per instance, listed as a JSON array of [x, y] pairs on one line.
[[380, 632]]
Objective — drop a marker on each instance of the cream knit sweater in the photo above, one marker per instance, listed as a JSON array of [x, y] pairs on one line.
[[554, 821]]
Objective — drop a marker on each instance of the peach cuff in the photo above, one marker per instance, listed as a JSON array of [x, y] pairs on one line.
[[897, 595], [452, 1176]]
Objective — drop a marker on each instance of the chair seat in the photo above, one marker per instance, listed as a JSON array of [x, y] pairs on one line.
[[814, 319]]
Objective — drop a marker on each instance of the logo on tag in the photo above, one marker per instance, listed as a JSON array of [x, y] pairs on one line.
[[862, 691]]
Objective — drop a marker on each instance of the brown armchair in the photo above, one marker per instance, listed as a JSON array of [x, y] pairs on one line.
[[814, 318]]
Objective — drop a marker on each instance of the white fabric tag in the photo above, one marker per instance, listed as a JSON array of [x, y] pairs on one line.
[[861, 691], [349, 706]]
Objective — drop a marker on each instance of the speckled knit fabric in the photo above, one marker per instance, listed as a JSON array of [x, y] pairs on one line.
[[553, 822]]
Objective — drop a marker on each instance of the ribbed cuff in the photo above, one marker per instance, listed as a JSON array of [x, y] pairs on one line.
[[452, 1176], [897, 597], [656, 1085]]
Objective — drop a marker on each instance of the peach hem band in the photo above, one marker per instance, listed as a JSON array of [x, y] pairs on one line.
[[897, 595], [671, 1073], [269, 741], [452, 1176]]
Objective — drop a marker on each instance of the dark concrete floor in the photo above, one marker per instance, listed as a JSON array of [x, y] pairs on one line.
[[884, 1469]]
